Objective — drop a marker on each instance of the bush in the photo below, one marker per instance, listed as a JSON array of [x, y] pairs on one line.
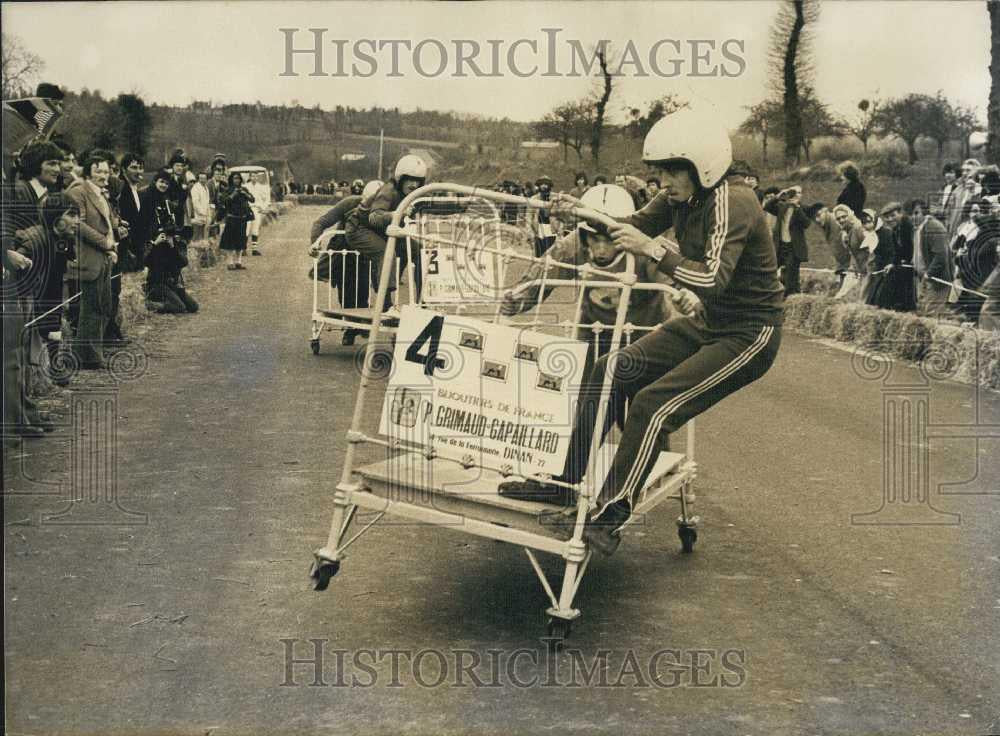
[[885, 164]]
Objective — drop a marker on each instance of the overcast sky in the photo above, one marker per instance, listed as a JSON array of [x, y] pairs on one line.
[[176, 52]]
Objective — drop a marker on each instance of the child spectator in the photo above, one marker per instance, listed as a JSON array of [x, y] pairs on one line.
[[201, 207]]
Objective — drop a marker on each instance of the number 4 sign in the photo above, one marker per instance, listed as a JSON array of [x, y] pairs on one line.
[[503, 394]]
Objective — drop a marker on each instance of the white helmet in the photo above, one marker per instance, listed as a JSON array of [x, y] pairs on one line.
[[411, 166], [695, 136], [371, 189], [611, 199]]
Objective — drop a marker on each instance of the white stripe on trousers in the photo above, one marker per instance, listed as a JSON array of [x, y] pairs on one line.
[[660, 416]]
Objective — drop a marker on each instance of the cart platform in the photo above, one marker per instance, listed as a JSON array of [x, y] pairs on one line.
[[471, 493], [361, 315]]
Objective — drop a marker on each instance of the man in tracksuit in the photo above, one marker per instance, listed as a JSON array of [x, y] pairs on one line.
[[725, 262]]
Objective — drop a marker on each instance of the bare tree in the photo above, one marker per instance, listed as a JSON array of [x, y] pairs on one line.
[[570, 124], [993, 108], [966, 122], [907, 119], [640, 123], [764, 120], [600, 105], [866, 123], [817, 121], [939, 122], [19, 67], [790, 65]]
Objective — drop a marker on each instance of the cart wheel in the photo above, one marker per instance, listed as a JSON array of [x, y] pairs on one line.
[[688, 537], [314, 344], [558, 629], [321, 572]]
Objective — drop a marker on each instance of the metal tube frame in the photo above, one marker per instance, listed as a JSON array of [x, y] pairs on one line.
[[351, 494]]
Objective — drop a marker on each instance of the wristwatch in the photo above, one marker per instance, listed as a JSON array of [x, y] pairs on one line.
[[657, 250]]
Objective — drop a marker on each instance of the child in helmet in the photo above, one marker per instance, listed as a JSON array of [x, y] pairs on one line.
[[725, 260], [592, 244], [366, 225]]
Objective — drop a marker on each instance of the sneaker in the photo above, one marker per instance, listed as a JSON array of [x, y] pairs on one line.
[[532, 490]]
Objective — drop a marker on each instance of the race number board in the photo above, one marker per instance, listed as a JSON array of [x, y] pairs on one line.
[[453, 274], [477, 392]]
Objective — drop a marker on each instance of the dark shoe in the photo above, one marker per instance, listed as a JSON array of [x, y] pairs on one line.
[[231, 267], [532, 490], [560, 523], [240, 267], [603, 532], [255, 252]]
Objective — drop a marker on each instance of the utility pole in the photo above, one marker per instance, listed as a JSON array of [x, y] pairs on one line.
[[381, 141]]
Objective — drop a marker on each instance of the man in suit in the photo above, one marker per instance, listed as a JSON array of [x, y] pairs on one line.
[[790, 236], [131, 250], [930, 259], [96, 254]]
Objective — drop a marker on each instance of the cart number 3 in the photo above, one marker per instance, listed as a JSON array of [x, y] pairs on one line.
[[431, 332]]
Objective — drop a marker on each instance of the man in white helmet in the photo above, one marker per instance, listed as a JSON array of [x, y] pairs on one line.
[[591, 243], [366, 225], [342, 271], [725, 260]]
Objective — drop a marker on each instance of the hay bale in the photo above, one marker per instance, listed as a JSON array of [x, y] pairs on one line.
[[943, 350]]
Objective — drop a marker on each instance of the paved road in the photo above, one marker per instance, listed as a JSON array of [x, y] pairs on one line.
[[788, 619]]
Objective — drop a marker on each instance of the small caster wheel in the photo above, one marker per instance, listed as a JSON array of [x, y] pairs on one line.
[[688, 537], [314, 344], [321, 572], [558, 630]]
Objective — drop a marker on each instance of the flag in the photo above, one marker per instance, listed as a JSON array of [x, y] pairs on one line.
[[37, 111]]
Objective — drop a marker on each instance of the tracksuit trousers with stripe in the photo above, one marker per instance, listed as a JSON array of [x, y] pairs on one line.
[[669, 376]]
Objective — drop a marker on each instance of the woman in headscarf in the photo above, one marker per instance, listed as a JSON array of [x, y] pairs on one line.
[[881, 247], [235, 200]]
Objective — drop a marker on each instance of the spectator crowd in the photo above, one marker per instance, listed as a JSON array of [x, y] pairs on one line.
[[937, 255], [73, 224]]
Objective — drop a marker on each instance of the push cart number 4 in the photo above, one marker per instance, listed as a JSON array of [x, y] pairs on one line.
[[431, 332]]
